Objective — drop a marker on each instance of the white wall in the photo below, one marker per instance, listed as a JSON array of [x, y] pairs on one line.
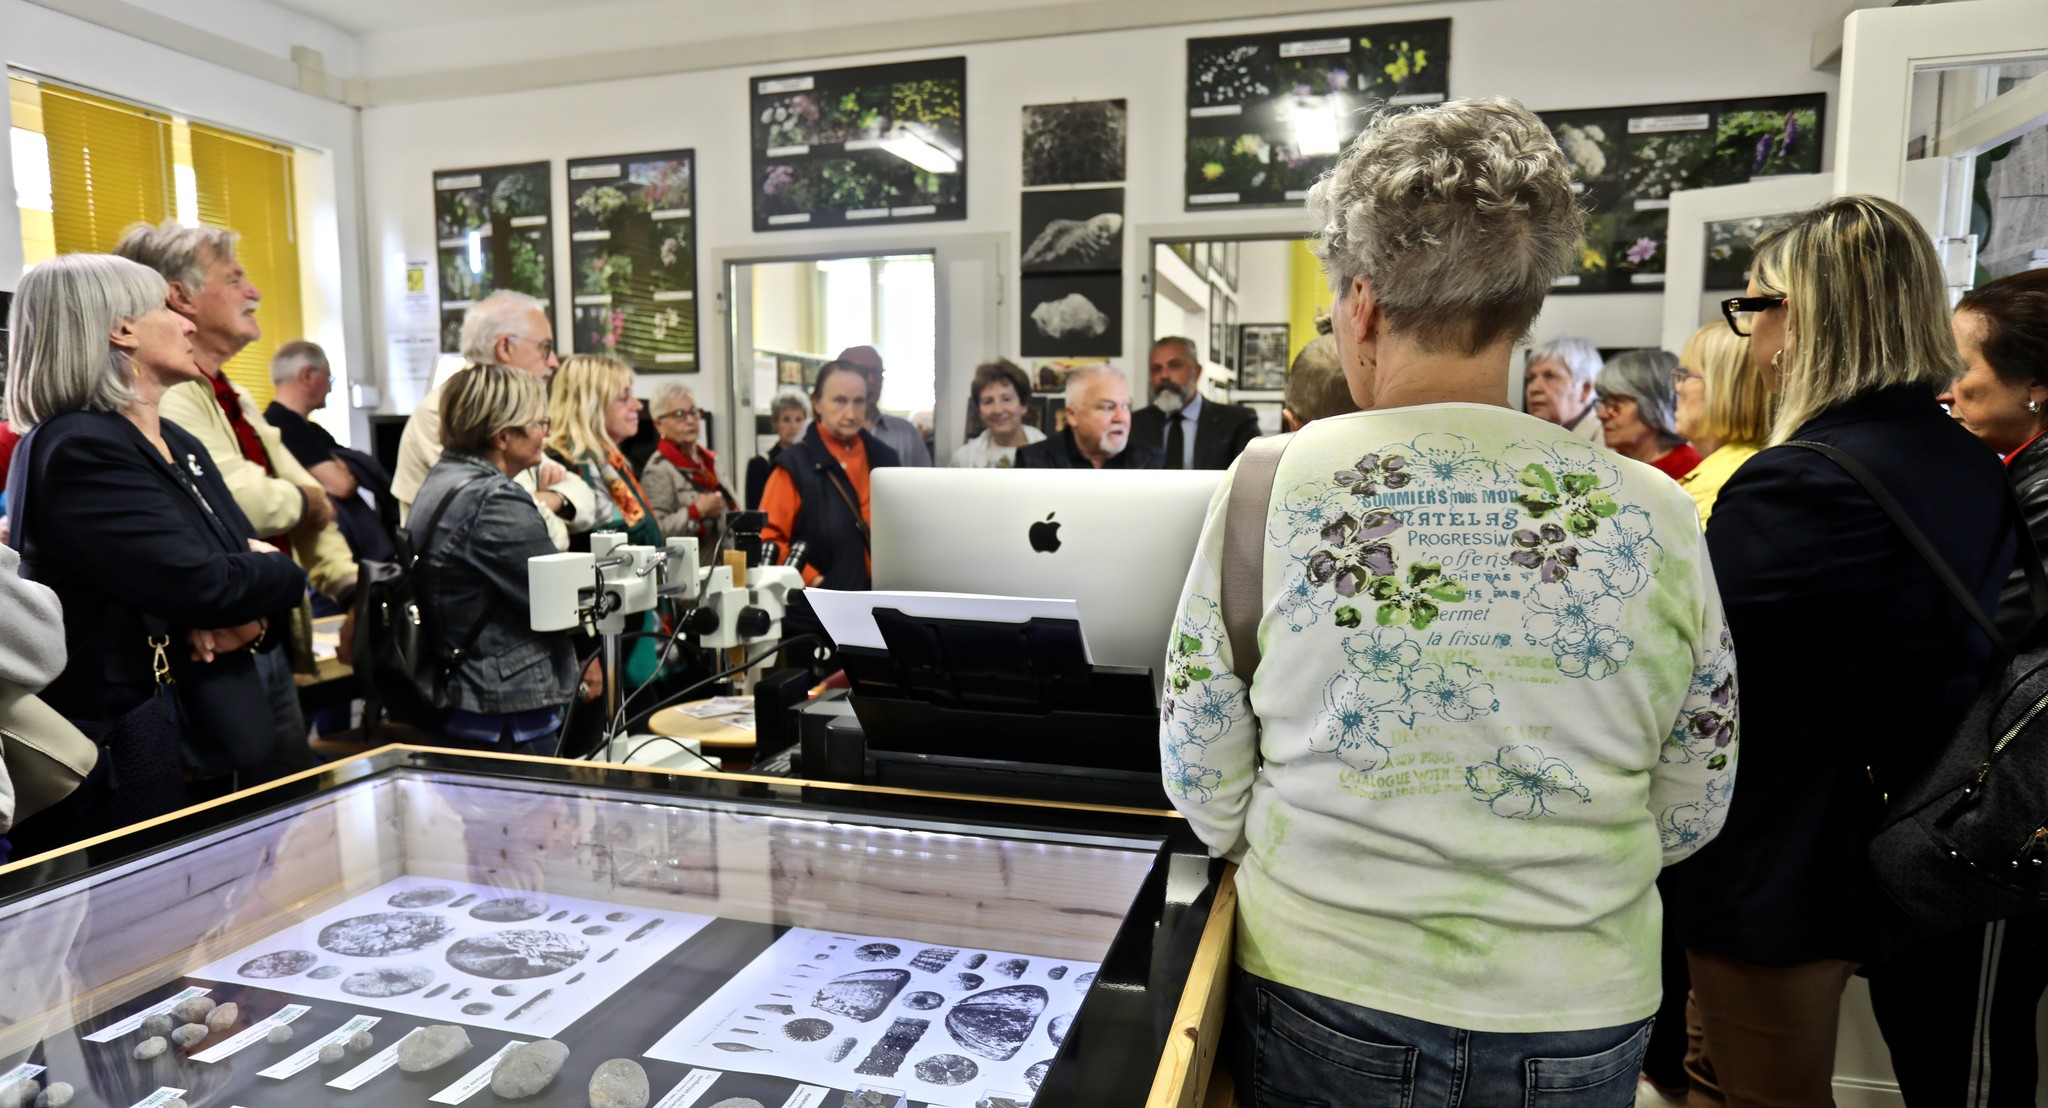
[[70, 50], [1552, 54]]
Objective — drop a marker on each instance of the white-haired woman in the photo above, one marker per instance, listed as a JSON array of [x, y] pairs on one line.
[[1638, 410], [1451, 779], [1848, 319], [1557, 384], [681, 479], [123, 515]]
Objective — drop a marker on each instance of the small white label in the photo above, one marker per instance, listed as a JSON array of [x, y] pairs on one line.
[[592, 301], [378, 1063], [597, 172], [589, 236], [1567, 282], [787, 151], [867, 213], [453, 244], [863, 144], [461, 181], [475, 1080], [785, 84], [157, 1098], [660, 214], [1657, 124], [1415, 98], [1297, 194], [1646, 279], [914, 209], [1213, 198], [795, 217], [1578, 187], [529, 221], [1653, 205], [252, 1033], [690, 1089], [21, 1072], [114, 1031], [675, 294], [455, 305], [1209, 111], [298, 1062], [1309, 47], [806, 1096], [671, 359]]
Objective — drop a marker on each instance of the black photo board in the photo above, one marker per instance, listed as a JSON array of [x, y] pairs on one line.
[[491, 232], [633, 254], [1269, 113], [870, 144], [1627, 161]]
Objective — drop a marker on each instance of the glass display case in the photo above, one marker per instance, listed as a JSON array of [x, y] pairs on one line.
[[738, 941]]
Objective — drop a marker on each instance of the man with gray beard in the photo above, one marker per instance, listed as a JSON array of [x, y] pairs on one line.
[[1195, 433]]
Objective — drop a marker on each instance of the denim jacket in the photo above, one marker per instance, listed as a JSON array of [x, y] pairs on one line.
[[473, 560]]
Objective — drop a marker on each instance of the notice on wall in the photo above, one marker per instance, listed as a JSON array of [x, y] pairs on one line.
[[460, 953], [937, 1024]]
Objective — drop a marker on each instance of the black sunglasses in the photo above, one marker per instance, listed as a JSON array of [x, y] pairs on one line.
[[1738, 309]]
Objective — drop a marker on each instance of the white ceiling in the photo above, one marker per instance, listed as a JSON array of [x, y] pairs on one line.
[[381, 17]]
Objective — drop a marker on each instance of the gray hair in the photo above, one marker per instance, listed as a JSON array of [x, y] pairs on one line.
[[787, 401], [294, 355], [59, 358], [1087, 373], [178, 252], [670, 392], [1459, 216], [1186, 344], [1316, 386], [1645, 377], [1578, 355], [495, 316]]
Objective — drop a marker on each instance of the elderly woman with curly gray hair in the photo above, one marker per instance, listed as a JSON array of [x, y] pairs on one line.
[[1494, 694]]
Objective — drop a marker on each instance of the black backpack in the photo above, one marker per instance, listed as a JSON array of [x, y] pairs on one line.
[[394, 640], [1967, 842]]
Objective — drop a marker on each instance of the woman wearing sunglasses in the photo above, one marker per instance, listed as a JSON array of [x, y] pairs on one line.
[[1856, 662]]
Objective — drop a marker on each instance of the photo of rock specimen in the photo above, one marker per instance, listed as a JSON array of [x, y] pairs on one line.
[[1071, 315], [518, 954], [996, 1024], [386, 981], [947, 1070], [427, 897], [509, 909], [932, 959], [886, 1056], [862, 995], [383, 934], [1073, 230], [283, 963], [1074, 144], [878, 952]]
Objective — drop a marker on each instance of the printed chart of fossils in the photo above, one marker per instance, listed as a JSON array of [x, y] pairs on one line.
[[937, 1025], [463, 954]]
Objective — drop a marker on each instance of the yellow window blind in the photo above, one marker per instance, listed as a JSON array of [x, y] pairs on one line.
[[245, 185], [110, 166]]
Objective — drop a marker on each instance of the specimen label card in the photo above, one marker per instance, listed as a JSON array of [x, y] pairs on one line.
[[378, 1063], [311, 1054], [690, 1089], [806, 1096], [157, 1098], [114, 1031], [846, 1011], [452, 952], [473, 1082], [21, 1072], [252, 1033]]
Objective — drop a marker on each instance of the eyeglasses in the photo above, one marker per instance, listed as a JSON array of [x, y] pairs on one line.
[[1612, 403], [1739, 310], [681, 413], [547, 346], [1681, 375]]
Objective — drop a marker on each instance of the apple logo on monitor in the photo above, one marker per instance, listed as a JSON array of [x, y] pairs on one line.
[[1045, 535]]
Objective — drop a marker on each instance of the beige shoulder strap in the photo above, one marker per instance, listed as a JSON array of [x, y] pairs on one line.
[[1244, 549]]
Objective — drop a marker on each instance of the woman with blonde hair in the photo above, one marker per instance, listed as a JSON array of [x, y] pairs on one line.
[[1856, 660], [1724, 411]]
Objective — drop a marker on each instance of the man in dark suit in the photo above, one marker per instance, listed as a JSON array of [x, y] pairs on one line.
[[1194, 433], [1098, 431]]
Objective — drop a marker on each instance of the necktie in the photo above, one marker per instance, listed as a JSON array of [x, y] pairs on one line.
[[1176, 442]]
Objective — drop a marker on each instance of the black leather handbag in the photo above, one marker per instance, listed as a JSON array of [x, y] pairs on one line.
[[395, 653], [1966, 842]]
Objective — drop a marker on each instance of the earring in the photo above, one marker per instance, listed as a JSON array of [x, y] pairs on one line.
[[1777, 360], [2033, 405]]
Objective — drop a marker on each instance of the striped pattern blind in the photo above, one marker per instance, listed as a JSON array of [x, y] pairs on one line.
[[245, 185], [110, 166]]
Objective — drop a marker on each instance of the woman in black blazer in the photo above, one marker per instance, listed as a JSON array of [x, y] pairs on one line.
[[1855, 663], [120, 513]]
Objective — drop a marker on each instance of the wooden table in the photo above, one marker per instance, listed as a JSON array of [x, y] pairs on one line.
[[733, 746], [331, 682]]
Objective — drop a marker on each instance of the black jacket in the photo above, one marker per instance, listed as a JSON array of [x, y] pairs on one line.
[[824, 522], [101, 518], [2027, 469], [1849, 654], [1059, 452], [758, 468], [1221, 432]]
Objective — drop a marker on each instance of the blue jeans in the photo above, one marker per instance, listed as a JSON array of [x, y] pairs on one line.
[[1294, 1048]]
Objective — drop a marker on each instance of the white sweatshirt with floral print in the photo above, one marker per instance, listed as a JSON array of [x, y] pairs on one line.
[[1495, 695]]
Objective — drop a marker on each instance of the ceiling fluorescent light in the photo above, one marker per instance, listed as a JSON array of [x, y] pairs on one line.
[[919, 152]]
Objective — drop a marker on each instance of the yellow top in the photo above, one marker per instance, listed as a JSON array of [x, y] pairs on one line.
[[1714, 470]]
